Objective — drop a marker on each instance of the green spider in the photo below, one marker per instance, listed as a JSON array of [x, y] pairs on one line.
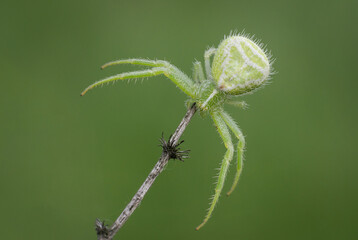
[[239, 67]]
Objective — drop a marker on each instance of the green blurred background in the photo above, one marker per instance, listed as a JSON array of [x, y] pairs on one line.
[[66, 160]]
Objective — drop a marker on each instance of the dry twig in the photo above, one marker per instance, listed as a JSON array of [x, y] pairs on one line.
[[170, 150]]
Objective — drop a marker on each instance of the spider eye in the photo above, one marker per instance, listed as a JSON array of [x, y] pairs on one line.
[[240, 65]]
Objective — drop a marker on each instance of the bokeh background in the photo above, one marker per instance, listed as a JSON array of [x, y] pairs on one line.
[[66, 160]]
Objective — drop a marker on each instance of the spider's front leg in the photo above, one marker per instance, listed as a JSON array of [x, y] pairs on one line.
[[159, 67], [225, 135], [198, 73], [240, 147], [127, 75], [207, 55]]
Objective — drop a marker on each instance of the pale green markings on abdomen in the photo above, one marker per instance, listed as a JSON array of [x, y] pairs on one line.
[[239, 66]]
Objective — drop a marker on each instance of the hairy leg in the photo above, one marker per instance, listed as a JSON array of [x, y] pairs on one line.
[[127, 75], [137, 61], [207, 55], [198, 73], [159, 67], [240, 147], [239, 104], [225, 135]]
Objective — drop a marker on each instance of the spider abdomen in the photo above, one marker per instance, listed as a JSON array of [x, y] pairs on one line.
[[239, 66]]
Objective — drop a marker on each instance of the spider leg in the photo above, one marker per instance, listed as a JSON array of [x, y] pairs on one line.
[[225, 135], [159, 67], [136, 61], [239, 104], [198, 73], [207, 55], [127, 75], [180, 79], [240, 147]]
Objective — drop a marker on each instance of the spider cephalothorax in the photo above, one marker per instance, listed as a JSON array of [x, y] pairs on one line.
[[239, 67]]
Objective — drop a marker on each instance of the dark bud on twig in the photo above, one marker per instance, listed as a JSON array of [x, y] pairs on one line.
[[172, 149], [102, 229]]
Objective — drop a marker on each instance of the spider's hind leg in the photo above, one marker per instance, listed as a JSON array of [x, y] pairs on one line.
[[240, 147], [225, 135]]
